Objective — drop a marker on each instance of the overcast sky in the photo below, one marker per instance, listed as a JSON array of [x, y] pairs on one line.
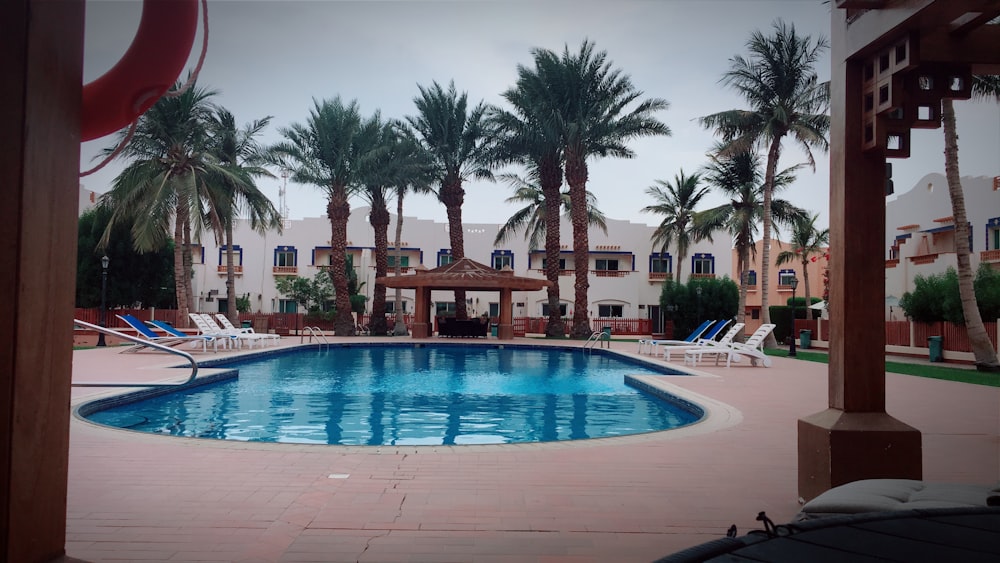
[[275, 57]]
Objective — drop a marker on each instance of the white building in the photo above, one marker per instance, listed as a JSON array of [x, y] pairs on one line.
[[625, 273]]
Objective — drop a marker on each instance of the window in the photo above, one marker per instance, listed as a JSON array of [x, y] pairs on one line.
[[494, 310], [996, 239], [751, 277], [223, 305], [285, 256], [660, 265], [562, 309], [609, 310], [503, 258], [197, 254], [390, 306], [562, 263], [404, 261], [703, 264], [445, 308], [755, 314], [237, 255], [607, 264], [445, 257], [288, 306], [785, 277]]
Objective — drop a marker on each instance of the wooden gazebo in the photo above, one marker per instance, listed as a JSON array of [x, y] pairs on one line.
[[463, 274]]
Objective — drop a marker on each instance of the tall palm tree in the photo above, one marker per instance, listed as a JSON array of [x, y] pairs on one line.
[[808, 242], [530, 135], [780, 84], [238, 150], [588, 100], [739, 177], [325, 152], [162, 193], [983, 87], [676, 202], [533, 219], [454, 135]]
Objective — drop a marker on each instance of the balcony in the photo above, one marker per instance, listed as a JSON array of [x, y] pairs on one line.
[[611, 273], [561, 272], [660, 276], [924, 259], [892, 263], [990, 255], [222, 270], [703, 276], [286, 270]]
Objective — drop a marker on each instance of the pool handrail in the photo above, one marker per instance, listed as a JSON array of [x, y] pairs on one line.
[[158, 346], [314, 331]]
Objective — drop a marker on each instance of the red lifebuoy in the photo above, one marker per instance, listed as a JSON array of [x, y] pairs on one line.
[[148, 69]]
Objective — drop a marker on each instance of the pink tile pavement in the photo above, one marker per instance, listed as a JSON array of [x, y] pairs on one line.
[[135, 497]]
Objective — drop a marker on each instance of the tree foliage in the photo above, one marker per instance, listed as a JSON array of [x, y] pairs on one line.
[[681, 303], [312, 294], [936, 298]]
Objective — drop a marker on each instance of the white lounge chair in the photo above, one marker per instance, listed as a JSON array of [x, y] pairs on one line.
[[229, 327], [208, 327], [145, 332], [726, 339], [734, 351]]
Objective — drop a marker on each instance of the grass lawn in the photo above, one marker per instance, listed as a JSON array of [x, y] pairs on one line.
[[963, 375]]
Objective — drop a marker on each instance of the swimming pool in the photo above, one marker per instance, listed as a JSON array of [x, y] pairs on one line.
[[413, 395]]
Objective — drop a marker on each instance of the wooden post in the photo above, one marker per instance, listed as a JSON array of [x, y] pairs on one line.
[[42, 68], [505, 329]]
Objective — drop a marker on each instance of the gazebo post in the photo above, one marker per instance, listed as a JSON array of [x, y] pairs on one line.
[[422, 313], [505, 330]]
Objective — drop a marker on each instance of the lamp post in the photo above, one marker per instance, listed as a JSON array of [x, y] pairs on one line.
[[104, 288], [794, 282], [697, 292]]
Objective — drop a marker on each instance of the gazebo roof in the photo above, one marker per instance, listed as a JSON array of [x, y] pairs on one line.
[[464, 274]]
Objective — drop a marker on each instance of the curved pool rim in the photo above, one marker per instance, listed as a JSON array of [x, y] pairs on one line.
[[715, 414]]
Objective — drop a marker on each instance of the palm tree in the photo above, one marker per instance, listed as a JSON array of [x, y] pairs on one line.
[[808, 242], [163, 191], [532, 218], [325, 152], [780, 84], [529, 135], [587, 99], [983, 87], [676, 202], [454, 135], [238, 151], [739, 177]]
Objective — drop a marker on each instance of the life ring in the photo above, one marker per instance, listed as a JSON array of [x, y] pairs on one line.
[[150, 66]]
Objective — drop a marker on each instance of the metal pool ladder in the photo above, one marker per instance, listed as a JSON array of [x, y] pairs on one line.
[[595, 339], [168, 349], [315, 331]]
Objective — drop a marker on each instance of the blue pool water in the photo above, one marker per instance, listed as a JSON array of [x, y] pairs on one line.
[[405, 395]]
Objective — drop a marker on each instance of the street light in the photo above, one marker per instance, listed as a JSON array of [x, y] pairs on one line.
[[104, 288], [794, 282], [697, 292]]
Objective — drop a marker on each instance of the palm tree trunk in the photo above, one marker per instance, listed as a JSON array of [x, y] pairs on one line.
[[379, 219], [550, 179], [681, 255], [180, 288], [805, 282], [453, 196], [188, 264], [231, 311], [982, 348], [339, 211], [576, 177], [742, 263], [773, 152], [400, 329]]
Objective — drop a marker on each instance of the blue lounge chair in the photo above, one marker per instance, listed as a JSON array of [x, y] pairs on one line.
[[170, 330], [172, 340], [650, 344]]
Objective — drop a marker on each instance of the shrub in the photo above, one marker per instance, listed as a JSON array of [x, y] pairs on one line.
[[936, 298], [681, 303]]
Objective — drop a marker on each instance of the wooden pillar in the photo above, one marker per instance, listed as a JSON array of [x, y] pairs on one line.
[[854, 438], [422, 313], [41, 48], [505, 329]]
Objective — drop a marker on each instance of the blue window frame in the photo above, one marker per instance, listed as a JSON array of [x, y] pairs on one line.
[[237, 255], [702, 263], [501, 258], [444, 257], [286, 256], [661, 263]]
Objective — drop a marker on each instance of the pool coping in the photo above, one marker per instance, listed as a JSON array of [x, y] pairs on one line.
[[716, 414]]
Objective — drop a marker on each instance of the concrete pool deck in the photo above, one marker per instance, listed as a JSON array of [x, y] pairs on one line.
[[140, 497]]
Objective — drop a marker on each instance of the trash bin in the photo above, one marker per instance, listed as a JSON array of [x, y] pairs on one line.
[[607, 332], [935, 348], [493, 329], [805, 338], [246, 324]]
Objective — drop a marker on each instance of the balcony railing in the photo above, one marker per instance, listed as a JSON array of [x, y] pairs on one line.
[[659, 276], [611, 273], [703, 276], [924, 259], [561, 272], [238, 270], [892, 263], [990, 255], [286, 270]]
